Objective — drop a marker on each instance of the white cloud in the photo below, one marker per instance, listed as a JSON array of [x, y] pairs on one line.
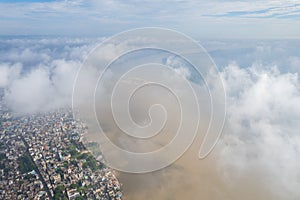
[[8, 73], [42, 72], [261, 138], [33, 92], [179, 66], [43, 88]]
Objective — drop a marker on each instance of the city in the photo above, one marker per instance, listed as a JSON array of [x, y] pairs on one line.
[[42, 156]]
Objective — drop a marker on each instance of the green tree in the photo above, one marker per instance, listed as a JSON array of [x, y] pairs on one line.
[[80, 198], [2, 156], [25, 163], [59, 193]]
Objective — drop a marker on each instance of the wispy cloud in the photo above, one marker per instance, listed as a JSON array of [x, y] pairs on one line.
[[92, 17], [284, 11]]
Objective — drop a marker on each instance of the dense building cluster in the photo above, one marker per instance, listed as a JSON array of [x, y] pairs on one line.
[[42, 157]]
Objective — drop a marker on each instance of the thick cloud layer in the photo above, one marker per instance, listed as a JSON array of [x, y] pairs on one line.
[[43, 88], [262, 137], [258, 154], [38, 74]]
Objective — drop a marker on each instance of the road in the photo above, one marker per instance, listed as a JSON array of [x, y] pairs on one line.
[[37, 170]]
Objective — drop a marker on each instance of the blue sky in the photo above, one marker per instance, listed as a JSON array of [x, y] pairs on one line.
[[201, 19], [29, 1]]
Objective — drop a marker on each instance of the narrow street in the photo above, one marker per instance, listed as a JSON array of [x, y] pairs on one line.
[[37, 169]]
